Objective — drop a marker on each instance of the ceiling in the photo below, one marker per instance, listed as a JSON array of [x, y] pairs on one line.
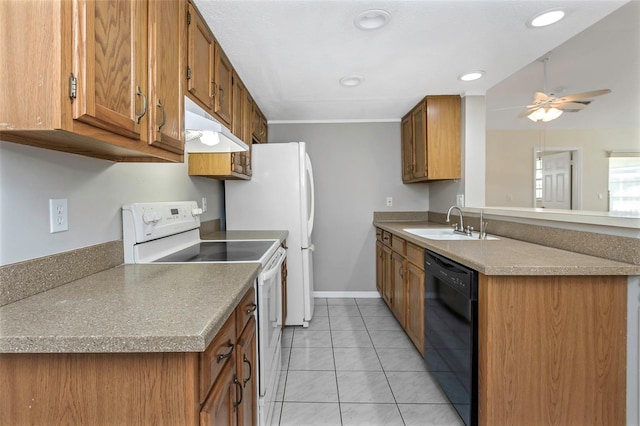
[[292, 54]]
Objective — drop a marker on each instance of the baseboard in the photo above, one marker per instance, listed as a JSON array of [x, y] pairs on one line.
[[352, 294]]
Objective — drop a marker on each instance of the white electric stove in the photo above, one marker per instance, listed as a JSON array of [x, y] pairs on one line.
[[169, 232]]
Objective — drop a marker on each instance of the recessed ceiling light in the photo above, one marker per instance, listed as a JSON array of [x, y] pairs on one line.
[[351, 80], [545, 18], [372, 19], [471, 76]]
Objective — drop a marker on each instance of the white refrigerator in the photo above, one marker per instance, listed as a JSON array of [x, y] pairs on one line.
[[280, 196]]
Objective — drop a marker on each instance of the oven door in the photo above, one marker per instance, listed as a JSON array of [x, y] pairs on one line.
[[270, 321]]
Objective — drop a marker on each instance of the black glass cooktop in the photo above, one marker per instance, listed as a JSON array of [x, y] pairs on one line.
[[221, 251]]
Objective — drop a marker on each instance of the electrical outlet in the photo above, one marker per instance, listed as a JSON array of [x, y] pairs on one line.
[[389, 201], [460, 200], [58, 215], [204, 204]]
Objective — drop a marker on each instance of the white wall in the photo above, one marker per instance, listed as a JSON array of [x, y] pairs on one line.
[[95, 190], [356, 166]]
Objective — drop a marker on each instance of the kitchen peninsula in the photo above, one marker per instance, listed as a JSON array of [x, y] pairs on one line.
[[551, 326]]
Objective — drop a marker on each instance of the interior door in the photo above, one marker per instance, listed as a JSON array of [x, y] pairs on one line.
[[556, 181]]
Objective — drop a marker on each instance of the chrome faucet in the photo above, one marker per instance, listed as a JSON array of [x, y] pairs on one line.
[[483, 228], [459, 228]]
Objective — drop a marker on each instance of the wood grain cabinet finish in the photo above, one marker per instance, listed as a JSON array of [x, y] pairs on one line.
[[186, 388], [399, 286], [414, 306], [552, 350], [223, 89], [431, 140], [200, 60], [78, 79]]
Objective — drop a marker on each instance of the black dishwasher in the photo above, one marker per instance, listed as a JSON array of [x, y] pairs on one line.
[[451, 328]]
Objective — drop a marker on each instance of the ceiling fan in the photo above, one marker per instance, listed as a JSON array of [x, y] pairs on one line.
[[547, 107]]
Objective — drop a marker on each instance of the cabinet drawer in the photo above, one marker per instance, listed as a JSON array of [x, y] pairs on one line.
[[398, 244], [378, 234], [219, 352], [415, 255], [245, 310]]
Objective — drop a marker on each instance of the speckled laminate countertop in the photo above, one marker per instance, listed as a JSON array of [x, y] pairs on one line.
[[506, 256], [130, 308]]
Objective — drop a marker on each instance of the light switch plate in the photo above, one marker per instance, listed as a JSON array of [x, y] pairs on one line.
[[58, 215]]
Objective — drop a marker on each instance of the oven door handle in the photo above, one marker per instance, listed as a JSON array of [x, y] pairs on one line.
[[273, 270]]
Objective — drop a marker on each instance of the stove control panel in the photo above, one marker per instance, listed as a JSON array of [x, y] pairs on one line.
[[143, 222]]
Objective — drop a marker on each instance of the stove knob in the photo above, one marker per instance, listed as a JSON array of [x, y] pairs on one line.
[[150, 218]]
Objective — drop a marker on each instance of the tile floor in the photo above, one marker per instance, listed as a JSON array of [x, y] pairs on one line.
[[355, 366]]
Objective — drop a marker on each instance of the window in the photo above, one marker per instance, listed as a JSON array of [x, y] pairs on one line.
[[624, 183]]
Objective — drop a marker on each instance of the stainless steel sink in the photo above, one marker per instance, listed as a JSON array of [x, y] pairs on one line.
[[444, 234]]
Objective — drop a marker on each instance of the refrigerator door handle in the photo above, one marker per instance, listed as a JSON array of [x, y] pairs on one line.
[[312, 195], [312, 247]]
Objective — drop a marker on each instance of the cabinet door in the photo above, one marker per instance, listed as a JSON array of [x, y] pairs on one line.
[[415, 306], [387, 278], [380, 268], [166, 104], [419, 118], [399, 287], [443, 137], [200, 54], [246, 372], [407, 148], [223, 86], [110, 64], [221, 405]]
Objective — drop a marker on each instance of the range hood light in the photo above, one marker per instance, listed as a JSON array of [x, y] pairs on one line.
[[204, 134]]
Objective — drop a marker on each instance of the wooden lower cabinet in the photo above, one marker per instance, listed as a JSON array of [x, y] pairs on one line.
[[400, 282], [216, 386], [221, 406], [552, 350]]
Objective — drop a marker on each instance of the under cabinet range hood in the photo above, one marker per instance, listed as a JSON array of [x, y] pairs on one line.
[[204, 134]]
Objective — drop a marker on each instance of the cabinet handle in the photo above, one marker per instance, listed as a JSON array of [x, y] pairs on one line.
[[252, 308], [244, 356], [221, 91], [228, 354], [213, 89], [164, 115], [239, 386], [144, 105]]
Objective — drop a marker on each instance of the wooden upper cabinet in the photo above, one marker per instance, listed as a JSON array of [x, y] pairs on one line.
[[200, 60], [223, 96], [79, 80], [407, 147], [110, 47], [166, 100], [259, 125], [431, 137]]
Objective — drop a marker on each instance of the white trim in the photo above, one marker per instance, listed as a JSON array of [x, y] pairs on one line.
[[352, 294], [364, 120]]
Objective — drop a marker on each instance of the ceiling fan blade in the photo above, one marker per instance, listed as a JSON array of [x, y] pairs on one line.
[[585, 95], [540, 96], [526, 113], [569, 105]]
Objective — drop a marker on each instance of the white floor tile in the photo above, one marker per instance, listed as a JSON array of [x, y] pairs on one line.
[[375, 310], [356, 359], [310, 414], [415, 388], [344, 301], [319, 323], [390, 339], [311, 359], [368, 301], [303, 338], [393, 359], [320, 311], [430, 415], [388, 323], [370, 415], [351, 339], [347, 323], [311, 386], [363, 386], [344, 310]]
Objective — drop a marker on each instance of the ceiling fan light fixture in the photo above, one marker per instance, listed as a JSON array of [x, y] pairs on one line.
[[546, 18], [372, 19], [545, 114], [471, 76]]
